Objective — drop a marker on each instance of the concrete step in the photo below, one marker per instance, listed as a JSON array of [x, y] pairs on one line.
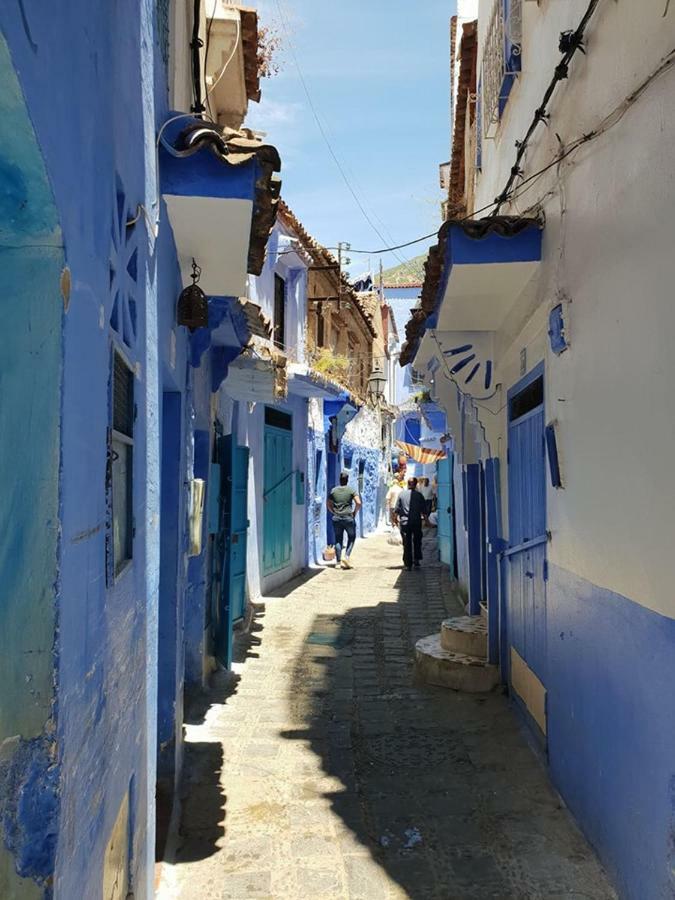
[[458, 671], [465, 634]]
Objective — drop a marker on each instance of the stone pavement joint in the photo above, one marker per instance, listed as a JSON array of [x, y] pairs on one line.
[[321, 769]]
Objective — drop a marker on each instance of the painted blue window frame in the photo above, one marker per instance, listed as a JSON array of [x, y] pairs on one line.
[[512, 60], [121, 441]]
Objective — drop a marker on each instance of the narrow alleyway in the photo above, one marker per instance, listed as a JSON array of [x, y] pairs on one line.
[[324, 771]]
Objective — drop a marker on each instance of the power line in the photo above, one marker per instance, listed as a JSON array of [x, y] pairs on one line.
[[510, 192], [321, 128], [570, 43]]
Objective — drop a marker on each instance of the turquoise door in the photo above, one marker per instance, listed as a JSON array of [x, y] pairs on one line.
[[229, 562], [446, 530], [277, 498]]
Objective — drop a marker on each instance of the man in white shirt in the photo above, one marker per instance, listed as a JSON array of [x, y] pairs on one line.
[[427, 492]]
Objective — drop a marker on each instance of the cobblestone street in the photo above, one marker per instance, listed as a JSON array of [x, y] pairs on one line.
[[323, 771]]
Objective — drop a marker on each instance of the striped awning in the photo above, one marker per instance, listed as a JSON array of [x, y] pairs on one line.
[[420, 454]]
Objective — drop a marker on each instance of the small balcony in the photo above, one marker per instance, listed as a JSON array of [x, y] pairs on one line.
[[501, 61], [232, 78]]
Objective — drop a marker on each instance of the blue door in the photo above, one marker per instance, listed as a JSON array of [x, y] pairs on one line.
[[229, 556], [493, 524], [526, 553], [475, 535], [277, 493], [446, 528]]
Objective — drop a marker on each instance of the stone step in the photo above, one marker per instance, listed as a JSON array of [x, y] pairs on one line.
[[458, 671], [465, 634]]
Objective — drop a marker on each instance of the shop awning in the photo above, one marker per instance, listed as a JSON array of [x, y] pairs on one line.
[[422, 455]]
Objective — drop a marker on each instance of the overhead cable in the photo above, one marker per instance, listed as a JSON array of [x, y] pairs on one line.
[[322, 130], [570, 43]]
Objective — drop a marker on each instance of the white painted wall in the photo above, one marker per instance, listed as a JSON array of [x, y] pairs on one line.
[[292, 268], [608, 246]]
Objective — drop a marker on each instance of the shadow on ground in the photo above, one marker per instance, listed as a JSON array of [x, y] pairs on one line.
[[203, 807], [440, 787]]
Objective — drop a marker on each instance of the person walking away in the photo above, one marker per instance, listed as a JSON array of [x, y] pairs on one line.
[[343, 504], [410, 511], [427, 492]]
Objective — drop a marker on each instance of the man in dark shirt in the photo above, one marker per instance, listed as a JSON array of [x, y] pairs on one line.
[[410, 510], [343, 504]]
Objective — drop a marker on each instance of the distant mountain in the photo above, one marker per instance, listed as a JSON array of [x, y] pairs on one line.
[[408, 273]]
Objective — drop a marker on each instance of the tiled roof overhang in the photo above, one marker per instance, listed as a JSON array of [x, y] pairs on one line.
[[468, 55], [440, 262], [188, 170], [257, 323], [249, 40]]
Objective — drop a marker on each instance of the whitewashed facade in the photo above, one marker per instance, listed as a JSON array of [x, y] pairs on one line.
[[599, 656]]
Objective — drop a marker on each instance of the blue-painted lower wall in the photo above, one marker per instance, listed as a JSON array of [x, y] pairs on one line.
[[611, 728], [363, 465], [316, 495]]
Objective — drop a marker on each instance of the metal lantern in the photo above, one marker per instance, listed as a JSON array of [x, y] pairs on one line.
[[376, 384], [193, 307]]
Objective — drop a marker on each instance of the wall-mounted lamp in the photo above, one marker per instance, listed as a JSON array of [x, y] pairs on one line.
[[193, 307], [376, 385]]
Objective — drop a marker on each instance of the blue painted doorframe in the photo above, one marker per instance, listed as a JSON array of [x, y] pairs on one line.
[[494, 547], [526, 553], [331, 481], [446, 515], [170, 624], [472, 512]]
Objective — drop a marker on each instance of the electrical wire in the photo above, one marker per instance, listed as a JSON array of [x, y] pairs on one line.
[[612, 119], [195, 46], [570, 43], [323, 132], [229, 60]]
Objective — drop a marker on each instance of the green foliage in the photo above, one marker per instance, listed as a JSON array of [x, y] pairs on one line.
[[422, 397], [331, 365]]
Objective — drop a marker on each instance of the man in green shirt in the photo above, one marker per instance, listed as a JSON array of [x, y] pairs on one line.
[[343, 504]]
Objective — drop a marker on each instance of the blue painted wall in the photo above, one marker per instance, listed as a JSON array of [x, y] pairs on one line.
[[31, 259], [316, 494], [611, 728], [95, 127], [371, 498]]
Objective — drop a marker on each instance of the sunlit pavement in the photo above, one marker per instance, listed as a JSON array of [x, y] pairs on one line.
[[322, 770]]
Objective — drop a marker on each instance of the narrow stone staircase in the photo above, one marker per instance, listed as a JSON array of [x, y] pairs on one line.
[[457, 657]]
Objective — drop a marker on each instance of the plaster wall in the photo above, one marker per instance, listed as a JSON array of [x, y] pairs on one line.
[[617, 271], [609, 607], [362, 458], [402, 301], [100, 167], [317, 488], [31, 371], [293, 269]]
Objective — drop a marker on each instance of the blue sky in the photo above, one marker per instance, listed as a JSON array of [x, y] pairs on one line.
[[378, 75]]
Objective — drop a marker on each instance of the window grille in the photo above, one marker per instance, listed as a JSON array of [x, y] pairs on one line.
[[120, 454], [279, 312], [163, 9], [501, 61]]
